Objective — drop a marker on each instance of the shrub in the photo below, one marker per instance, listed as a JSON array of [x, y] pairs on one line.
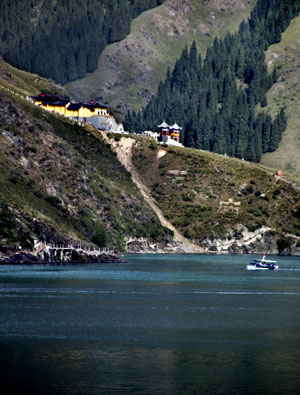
[[15, 178], [284, 243], [152, 146], [276, 193], [30, 182], [38, 194], [99, 235], [296, 214], [55, 201], [253, 227], [249, 189], [187, 197]]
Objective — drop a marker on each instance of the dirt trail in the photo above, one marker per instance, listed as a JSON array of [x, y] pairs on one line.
[[124, 149]]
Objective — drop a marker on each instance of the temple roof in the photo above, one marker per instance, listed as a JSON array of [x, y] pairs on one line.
[[56, 103], [74, 106], [45, 98], [175, 126], [163, 125], [96, 104]]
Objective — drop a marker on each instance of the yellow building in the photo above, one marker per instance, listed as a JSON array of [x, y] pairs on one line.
[[100, 109], [75, 110], [56, 107], [80, 111]]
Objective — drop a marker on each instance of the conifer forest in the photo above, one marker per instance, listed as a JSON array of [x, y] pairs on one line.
[[219, 100], [62, 40]]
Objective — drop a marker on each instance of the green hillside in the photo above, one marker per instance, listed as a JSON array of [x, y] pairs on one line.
[[217, 197], [25, 83], [60, 181], [285, 56], [129, 71]]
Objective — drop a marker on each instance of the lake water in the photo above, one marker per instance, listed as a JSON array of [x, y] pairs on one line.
[[159, 324]]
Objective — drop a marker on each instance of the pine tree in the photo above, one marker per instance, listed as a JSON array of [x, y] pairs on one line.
[[219, 136], [71, 69]]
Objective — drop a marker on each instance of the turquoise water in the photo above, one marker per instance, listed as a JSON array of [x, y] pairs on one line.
[[159, 324]]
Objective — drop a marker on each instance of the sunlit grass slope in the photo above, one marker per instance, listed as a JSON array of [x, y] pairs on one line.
[[129, 71], [194, 202], [286, 92]]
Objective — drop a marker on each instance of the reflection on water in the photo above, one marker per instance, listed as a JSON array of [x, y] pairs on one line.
[[157, 325], [93, 368]]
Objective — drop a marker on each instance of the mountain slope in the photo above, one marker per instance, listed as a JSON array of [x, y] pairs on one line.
[[63, 39], [129, 72], [285, 56], [221, 203], [25, 83], [60, 181], [124, 148]]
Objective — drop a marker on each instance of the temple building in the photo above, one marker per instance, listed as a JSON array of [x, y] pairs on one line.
[[81, 112], [168, 133], [51, 103]]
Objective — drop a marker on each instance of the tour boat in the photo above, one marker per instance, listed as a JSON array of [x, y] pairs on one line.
[[262, 264]]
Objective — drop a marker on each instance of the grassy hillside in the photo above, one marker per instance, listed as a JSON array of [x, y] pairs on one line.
[[286, 92], [193, 202], [129, 71], [60, 181], [26, 83]]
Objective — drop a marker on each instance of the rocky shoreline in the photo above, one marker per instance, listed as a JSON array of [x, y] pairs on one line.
[[29, 258], [260, 241], [263, 240]]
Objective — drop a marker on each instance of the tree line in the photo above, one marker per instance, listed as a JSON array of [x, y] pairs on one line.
[[216, 99], [62, 40]]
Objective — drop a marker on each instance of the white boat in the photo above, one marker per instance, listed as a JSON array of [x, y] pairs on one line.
[[262, 264]]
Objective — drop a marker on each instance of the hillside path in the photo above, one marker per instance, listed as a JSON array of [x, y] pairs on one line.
[[124, 149]]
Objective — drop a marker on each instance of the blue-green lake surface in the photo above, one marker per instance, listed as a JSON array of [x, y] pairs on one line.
[[159, 324]]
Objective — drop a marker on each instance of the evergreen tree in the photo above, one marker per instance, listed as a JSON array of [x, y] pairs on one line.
[[219, 136]]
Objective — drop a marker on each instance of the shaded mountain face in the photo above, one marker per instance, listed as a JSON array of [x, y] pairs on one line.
[[129, 71]]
